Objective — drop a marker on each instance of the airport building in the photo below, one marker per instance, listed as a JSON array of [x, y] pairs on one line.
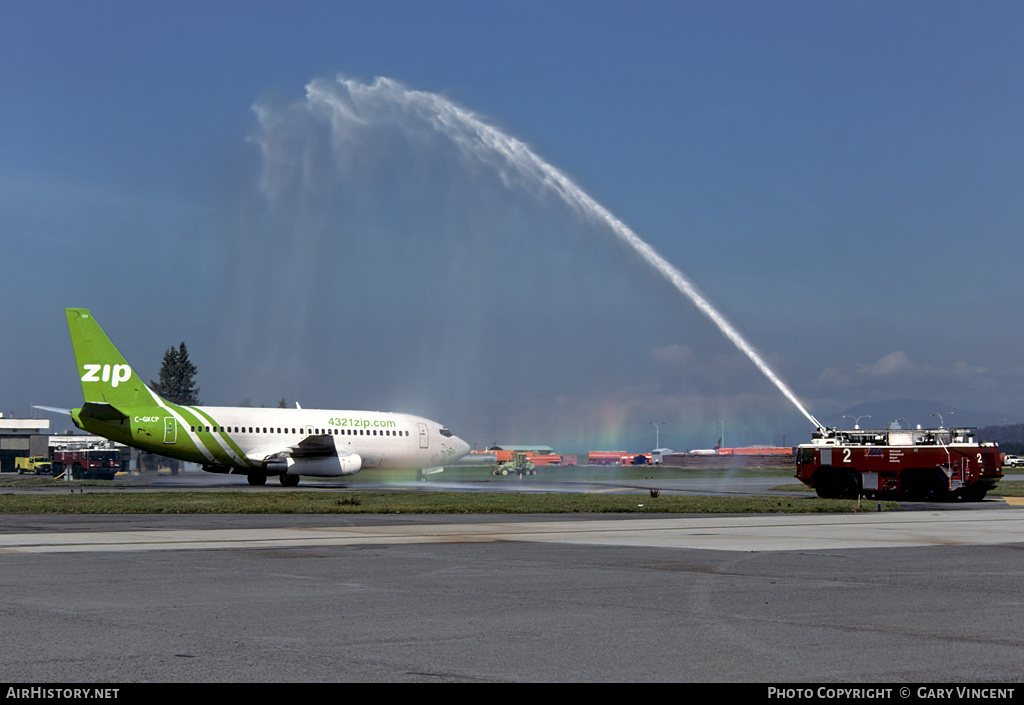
[[21, 438], [521, 448]]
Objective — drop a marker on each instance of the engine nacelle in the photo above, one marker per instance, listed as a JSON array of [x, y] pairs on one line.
[[325, 466]]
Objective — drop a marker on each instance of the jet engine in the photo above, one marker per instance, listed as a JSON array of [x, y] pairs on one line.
[[324, 465]]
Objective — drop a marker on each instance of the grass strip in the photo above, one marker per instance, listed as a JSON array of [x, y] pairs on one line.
[[298, 502]]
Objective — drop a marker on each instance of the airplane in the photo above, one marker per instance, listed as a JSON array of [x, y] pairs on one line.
[[243, 440]]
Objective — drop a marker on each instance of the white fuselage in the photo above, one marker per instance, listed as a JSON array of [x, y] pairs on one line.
[[382, 440]]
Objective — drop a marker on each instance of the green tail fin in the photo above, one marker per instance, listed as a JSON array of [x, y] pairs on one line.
[[106, 376]]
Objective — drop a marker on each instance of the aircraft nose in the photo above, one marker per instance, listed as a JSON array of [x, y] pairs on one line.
[[461, 448]]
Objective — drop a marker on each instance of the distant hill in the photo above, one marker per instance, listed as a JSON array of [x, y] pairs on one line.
[[1010, 437]]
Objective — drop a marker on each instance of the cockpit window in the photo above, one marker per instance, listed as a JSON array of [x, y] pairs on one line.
[[445, 432]]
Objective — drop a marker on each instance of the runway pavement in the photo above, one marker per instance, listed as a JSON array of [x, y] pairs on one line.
[[901, 597], [733, 533]]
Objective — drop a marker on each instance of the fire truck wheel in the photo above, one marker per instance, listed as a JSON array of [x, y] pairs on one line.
[[922, 486], [935, 490], [909, 489], [824, 484], [848, 486], [974, 493]]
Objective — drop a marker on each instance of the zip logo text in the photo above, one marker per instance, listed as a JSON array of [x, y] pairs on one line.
[[115, 374]]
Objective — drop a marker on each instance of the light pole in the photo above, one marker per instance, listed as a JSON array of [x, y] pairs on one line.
[[657, 437], [940, 418], [721, 440], [856, 420]]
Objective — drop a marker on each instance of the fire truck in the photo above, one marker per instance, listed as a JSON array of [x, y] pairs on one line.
[[87, 463], [915, 465]]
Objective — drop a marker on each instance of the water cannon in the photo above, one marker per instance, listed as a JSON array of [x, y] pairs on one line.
[[823, 433], [824, 430]]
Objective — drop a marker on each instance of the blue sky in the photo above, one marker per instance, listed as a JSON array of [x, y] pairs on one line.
[[842, 180]]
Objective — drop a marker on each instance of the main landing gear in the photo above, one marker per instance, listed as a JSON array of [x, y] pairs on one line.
[[257, 479]]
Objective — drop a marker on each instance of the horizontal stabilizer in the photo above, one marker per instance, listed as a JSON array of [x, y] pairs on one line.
[[101, 411]]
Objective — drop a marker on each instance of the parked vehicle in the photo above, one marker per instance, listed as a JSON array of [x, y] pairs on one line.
[[87, 463], [33, 465]]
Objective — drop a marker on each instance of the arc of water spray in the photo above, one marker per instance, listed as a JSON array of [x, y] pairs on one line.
[[684, 285], [369, 103]]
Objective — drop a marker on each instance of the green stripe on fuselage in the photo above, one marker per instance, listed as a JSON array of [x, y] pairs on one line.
[[232, 455]]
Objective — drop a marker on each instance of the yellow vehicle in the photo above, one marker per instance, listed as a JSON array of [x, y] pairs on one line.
[[34, 465]]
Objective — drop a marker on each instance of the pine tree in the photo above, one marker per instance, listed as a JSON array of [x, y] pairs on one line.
[[177, 384], [177, 377]]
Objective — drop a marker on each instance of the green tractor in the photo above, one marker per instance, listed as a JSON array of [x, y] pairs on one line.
[[519, 465]]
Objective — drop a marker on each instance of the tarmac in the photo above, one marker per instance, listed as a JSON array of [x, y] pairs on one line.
[[891, 597]]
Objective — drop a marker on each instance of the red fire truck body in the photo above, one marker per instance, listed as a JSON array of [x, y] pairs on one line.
[[921, 464], [88, 463]]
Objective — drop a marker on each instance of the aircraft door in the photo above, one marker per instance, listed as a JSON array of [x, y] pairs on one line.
[[424, 439], [170, 430]]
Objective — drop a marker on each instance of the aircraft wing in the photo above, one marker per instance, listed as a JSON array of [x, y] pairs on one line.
[[314, 446], [313, 455], [309, 447]]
